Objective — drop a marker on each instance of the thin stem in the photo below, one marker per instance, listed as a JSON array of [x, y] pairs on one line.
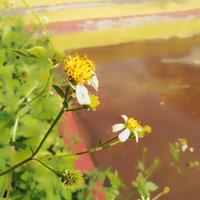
[[48, 131], [40, 23], [164, 192], [15, 129], [16, 166], [109, 143], [12, 156], [28, 94], [48, 167], [36, 17], [158, 196], [74, 109]]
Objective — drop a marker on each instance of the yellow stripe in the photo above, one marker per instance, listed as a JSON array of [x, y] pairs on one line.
[[117, 10], [53, 2], [183, 28]]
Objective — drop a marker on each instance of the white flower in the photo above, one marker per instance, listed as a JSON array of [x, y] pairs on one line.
[[191, 149], [130, 125], [82, 93]]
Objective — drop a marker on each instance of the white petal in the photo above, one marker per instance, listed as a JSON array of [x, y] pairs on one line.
[[117, 127], [124, 135], [184, 148], [82, 95], [94, 82], [136, 136], [124, 117]]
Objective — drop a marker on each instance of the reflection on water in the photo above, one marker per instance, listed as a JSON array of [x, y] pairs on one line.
[[150, 81]]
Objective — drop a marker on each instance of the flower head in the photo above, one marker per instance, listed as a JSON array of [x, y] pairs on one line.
[[183, 144], [131, 127], [72, 179], [79, 69]]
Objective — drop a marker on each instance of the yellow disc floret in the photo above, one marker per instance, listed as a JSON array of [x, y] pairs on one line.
[[79, 69], [147, 129], [132, 124]]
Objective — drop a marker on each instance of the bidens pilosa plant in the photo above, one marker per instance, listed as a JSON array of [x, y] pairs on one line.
[[34, 161]]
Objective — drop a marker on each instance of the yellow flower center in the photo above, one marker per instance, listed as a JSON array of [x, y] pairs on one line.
[[79, 69], [131, 124], [183, 141]]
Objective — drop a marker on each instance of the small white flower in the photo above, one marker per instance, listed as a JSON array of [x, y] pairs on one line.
[[191, 149], [125, 130], [82, 95]]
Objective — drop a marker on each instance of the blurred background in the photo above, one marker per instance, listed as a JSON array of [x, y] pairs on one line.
[[148, 62]]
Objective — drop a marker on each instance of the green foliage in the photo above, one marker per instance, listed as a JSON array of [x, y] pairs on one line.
[[106, 183], [114, 184], [142, 184], [25, 94], [144, 187], [27, 109]]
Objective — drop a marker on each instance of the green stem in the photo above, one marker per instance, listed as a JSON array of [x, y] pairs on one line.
[[109, 143], [74, 109], [49, 131], [40, 23], [12, 156], [164, 192], [46, 166], [16, 166], [36, 17], [158, 196]]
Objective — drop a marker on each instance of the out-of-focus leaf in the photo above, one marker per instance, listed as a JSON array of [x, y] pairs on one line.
[[38, 51], [19, 143]]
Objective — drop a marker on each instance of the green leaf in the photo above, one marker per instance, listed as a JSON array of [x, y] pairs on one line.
[[150, 186], [59, 90], [24, 53], [19, 143], [114, 179], [38, 51]]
